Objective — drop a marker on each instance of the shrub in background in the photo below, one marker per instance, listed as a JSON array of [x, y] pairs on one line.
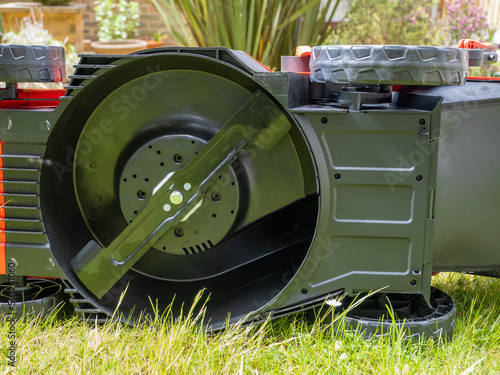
[[116, 20], [464, 19], [266, 29], [389, 22], [411, 22]]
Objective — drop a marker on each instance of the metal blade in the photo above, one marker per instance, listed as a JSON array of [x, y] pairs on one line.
[[257, 122]]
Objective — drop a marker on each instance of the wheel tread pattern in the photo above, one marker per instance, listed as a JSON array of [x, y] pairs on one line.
[[55, 304], [22, 63], [438, 325], [389, 64]]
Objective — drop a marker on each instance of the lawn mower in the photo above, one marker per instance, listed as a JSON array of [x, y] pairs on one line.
[[158, 174]]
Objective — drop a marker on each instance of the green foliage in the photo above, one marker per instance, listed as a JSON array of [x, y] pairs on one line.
[[160, 35], [388, 22], [265, 29], [464, 19], [116, 20], [54, 2]]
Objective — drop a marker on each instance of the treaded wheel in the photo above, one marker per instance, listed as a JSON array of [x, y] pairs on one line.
[[411, 314], [40, 297], [390, 64], [20, 63]]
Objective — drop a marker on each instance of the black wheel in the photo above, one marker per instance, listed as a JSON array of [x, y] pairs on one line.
[[20, 63], [36, 298], [388, 65], [372, 317], [132, 127]]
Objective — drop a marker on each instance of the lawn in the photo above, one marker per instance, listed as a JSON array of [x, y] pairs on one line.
[[286, 346]]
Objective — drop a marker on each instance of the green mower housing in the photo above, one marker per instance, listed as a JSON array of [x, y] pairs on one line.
[[158, 174]]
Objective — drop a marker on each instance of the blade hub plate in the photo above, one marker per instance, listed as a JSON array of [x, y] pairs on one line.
[[145, 170]]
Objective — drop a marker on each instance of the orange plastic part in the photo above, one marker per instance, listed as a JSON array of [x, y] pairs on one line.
[[472, 44], [303, 51], [257, 61], [490, 79]]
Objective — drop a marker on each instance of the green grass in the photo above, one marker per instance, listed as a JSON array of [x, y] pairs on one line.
[[286, 346]]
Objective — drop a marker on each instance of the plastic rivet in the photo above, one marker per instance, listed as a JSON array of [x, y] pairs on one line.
[[176, 197]]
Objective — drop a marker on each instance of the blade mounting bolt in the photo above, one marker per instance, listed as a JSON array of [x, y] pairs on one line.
[[178, 158], [141, 194], [176, 197]]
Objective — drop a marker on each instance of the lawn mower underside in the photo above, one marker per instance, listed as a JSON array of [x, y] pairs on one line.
[[171, 171]]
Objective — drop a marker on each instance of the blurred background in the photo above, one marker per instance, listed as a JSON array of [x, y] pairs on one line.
[[266, 29]]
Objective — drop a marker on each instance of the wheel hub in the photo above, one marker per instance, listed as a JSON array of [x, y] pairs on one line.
[[145, 170]]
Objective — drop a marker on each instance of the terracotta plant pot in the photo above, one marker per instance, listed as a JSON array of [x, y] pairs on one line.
[[118, 47], [155, 43]]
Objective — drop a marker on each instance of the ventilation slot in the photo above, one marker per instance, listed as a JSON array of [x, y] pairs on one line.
[[198, 248]]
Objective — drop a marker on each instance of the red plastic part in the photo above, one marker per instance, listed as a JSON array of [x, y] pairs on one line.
[[36, 95], [473, 44], [303, 51]]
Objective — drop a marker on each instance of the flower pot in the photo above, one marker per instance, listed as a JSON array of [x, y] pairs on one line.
[[155, 43], [118, 47]]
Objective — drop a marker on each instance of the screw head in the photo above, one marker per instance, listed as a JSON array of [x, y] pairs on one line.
[[176, 197], [178, 158]]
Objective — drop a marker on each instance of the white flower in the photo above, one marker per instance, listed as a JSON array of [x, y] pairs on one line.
[[333, 302]]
